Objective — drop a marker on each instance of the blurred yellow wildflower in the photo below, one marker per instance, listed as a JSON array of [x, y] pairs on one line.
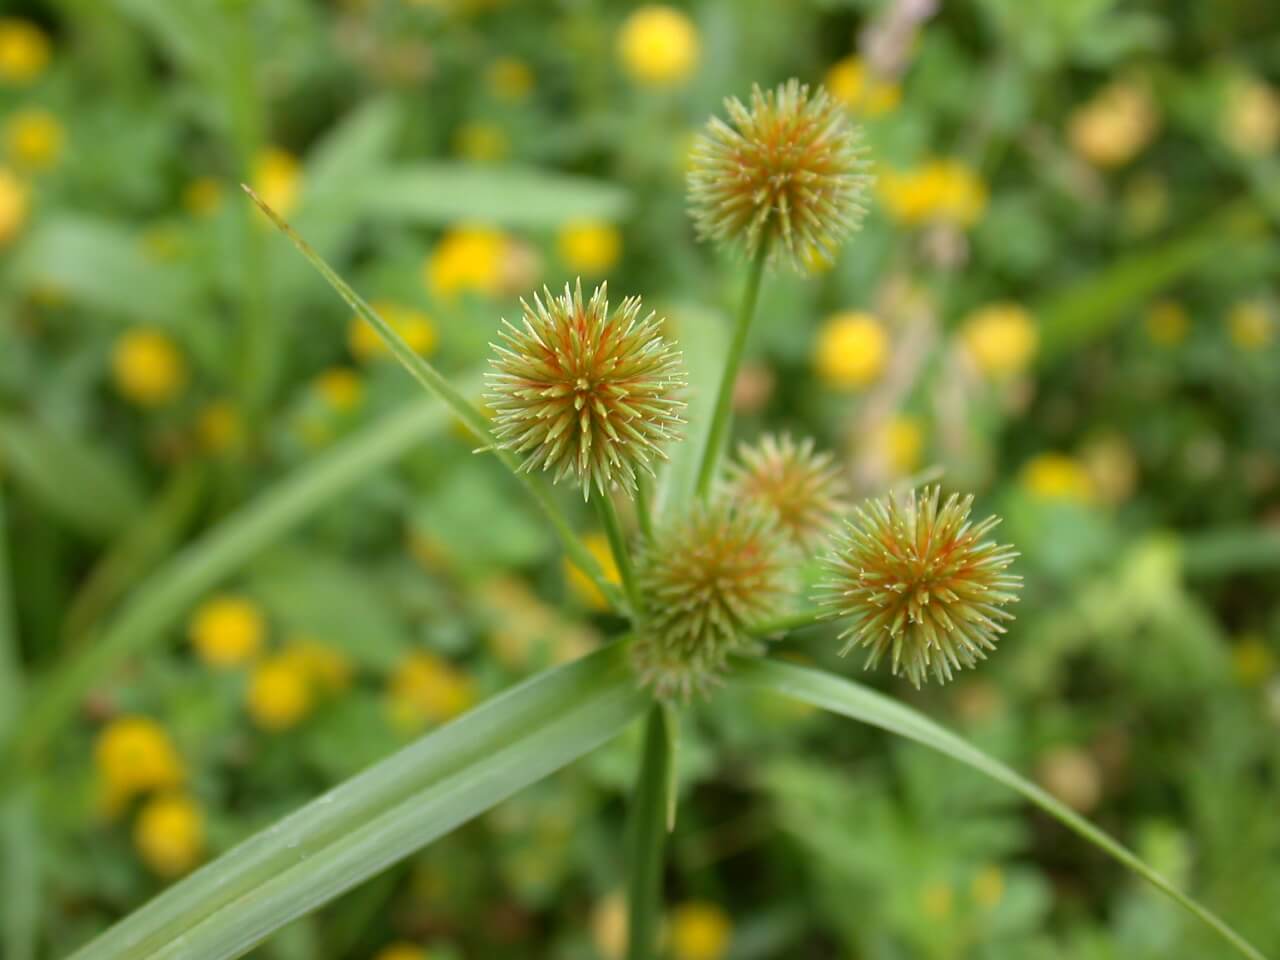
[[1001, 338], [941, 191], [1251, 324], [937, 900], [147, 367], [509, 79], [658, 45], [427, 689], [987, 888], [1167, 323], [1056, 476], [202, 197], [326, 669], [591, 247], [481, 142], [13, 206], [902, 442], [851, 350], [24, 51], [402, 950], [852, 83], [341, 387], [467, 259], [169, 834], [1112, 467], [1110, 129], [1252, 661], [219, 427], [414, 327], [581, 585], [277, 179], [227, 631], [135, 755], [609, 926], [699, 931], [279, 694], [33, 139], [1251, 122]]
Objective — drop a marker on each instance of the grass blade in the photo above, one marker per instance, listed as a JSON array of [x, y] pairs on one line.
[[857, 702], [161, 600], [383, 814], [464, 409], [646, 839]]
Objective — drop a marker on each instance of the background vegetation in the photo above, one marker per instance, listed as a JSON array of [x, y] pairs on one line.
[[242, 557]]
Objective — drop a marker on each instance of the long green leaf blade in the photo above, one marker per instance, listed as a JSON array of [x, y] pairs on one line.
[[857, 702], [383, 814], [646, 839]]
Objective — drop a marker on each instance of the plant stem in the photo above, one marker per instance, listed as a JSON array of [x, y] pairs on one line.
[[644, 508], [647, 836], [463, 409], [724, 398], [621, 557], [789, 623]]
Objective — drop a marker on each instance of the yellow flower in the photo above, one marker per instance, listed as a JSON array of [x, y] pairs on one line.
[[169, 834], [24, 51], [34, 138], [936, 900], [609, 926], [1167, 323], [341, 387], [402, 950], [227, 631], [13, 206], [279, 693], [1252, 661], [902, 442], [1251, 324], [589, 246], [219, 427], [852, 83], [414, 327], [327, 669], [1251, 123], [481, 142], [135, 755], [941, 191], [851, 351], [277, 179], [658, 46], [509, 79], [598, 546], [1001, 338], [699, 931], [467, 259], [987, 888], [147, 367], [202, 197], [426, 689], [1055, 476], [1114, 126]]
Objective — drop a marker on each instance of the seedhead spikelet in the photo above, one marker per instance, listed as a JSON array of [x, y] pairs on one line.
[[787, 174], [805, 488], [710, 574], [582, 391], [921, 584]]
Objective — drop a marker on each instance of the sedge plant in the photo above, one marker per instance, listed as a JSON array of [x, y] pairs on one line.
[[591, 392]]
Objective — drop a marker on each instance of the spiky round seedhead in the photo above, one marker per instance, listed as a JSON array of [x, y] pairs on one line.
[[921, 583], [709, 575], [805, 488], [580, 390], [787, 174]]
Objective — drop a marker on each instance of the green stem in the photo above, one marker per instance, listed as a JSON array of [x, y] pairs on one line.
[[644, 508], [789, 623], [621, 556], [724, 397], [463, 409], [647, 836]]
